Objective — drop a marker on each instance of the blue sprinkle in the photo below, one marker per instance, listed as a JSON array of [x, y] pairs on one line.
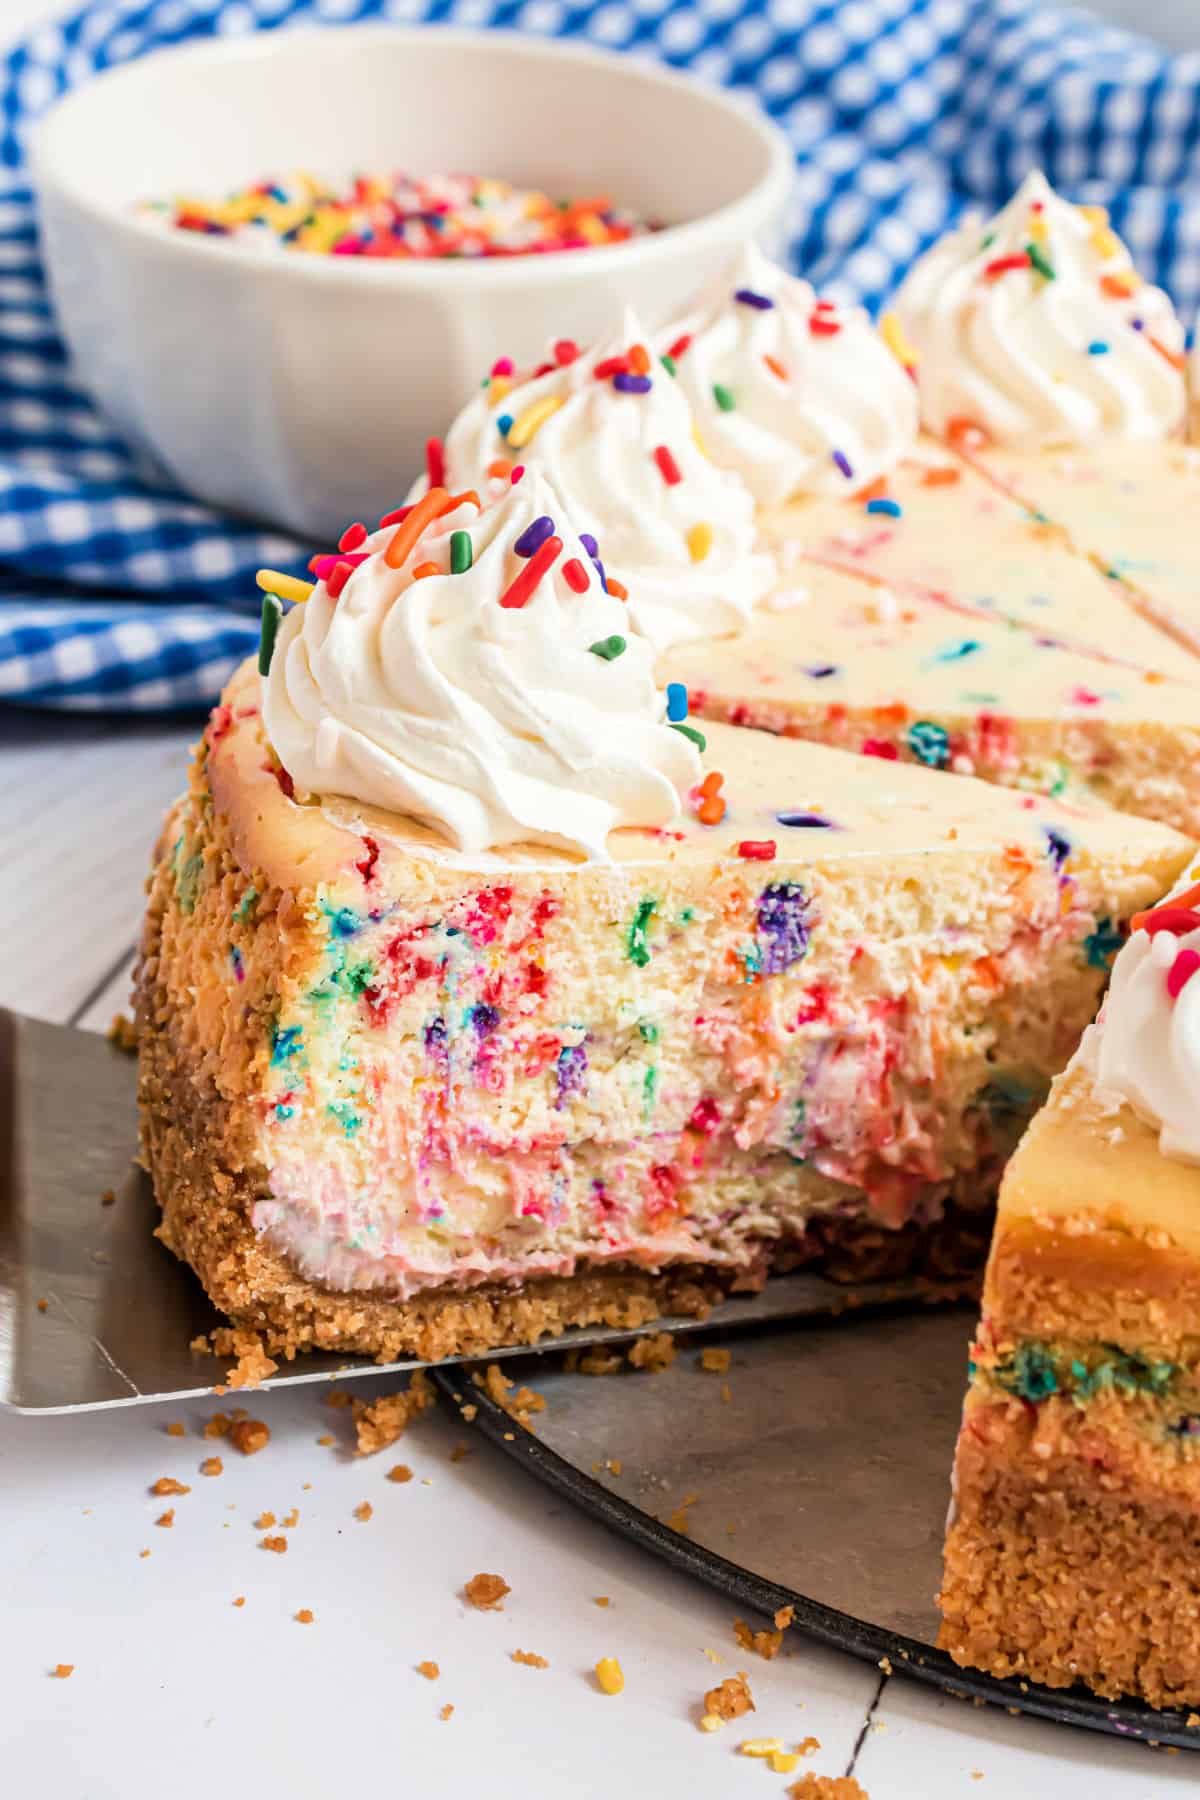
[[677, 702], [929, 743], [748, 297], [1098, 348], [534, 536], [1058, 845], [819, 671], [806, 821], [632, 384], [504, 424], [892, 508], [956, 652]]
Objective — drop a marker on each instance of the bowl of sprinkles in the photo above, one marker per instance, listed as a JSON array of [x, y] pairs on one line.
[[281, 261]]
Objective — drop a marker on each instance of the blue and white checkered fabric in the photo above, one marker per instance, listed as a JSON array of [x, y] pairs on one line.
[[117, 594]]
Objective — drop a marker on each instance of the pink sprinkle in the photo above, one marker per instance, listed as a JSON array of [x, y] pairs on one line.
[[1181, 971], [517, 474], [1084, 696], [503, 365], [323, 566]]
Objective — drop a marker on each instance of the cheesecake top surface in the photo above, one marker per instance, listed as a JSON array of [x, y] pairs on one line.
[[615, 433], [795, 394], [1034, 328], [788, 803]]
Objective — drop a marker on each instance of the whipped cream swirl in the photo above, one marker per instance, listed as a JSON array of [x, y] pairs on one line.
[[1146, 1047], [794, 394], [435, 694], [1036, 328], [618, 443]]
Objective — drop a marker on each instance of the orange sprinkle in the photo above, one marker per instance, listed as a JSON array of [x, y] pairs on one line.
[[966, 433], [424, 570], [941, 477], [776, 367], [430, 507], [500, 470], [1174, 357], [639, 360], [711, 810], [875, 490], [1118, 287], [617, 588], [712, 784], [468, 494], [1190, 898]]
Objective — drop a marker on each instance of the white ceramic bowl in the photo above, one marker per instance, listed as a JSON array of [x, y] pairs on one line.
[[300, 389]]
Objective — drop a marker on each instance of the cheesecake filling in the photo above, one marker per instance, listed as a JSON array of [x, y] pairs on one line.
[[1034, 328], [795, 394], [614, 432]]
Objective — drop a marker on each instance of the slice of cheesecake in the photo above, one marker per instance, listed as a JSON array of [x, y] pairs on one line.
[[838, 661], [408, 1099], [1074, 1543]]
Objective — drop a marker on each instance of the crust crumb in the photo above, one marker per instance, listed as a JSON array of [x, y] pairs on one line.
[[108, 1197], [304, 1616], [277, 1544], [470, 1412], [486, 1592], [167, 1484], [429, 1670], [176, 1429], [240, 1600], [731, 1698], [827, 1787], [43, 1305], [218, 1426], [601, 1600], [447, 1711], [253, 1365], [122, 1034], [600, 1362], [784, 1617], [678, 1520], [378, 1423], [364, 1511], [520, 1405], [766, 1644], [249, 1436], [325, 1439], [212, 1465], [143, 1553], [530, 1658], [264, 1521], [290, 1520], [714, 1361], [166, 1519], [654, 1353], [401, 1472], [62, 1671]]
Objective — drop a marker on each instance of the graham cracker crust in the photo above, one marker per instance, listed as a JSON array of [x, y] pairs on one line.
[[206, 1187], [1051, 1576]]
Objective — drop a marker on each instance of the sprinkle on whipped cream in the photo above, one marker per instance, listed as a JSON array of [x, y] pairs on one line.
[[614, 433], [793, 393], [1146, 1048], [1035, 330], [472, 668]]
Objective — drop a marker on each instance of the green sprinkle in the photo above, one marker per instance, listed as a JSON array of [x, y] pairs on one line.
[[637, 942], [668, 363], [245, 903], [649, 1091], [609, 648], [1040, 261], [724, 398], [689, 731], [649, 1032], [988, 240], [272, 612], [461, 553]]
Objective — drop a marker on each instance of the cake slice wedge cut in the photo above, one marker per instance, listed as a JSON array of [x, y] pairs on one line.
[[403, 1098], [1074, 1542]]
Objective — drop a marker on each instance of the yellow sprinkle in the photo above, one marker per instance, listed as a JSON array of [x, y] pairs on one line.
[[1105, 242], [590, 227], [498, 386], [532, 419], [699, 542], [610, 1676], [760, 1746], [892, 333], [1095, 215], [699, 442], [1038, 229], [710, 1722], [285, 587], [783, 1762]]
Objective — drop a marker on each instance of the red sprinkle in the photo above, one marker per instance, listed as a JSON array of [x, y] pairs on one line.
[[1189, 898], [1181, 972], [565, 351], [575, 576], [435, 462], [668, 468], [523, 587], [1003, 265], [878, 747], [1178, 920], [352, 537], [680, 345], [395, 518], [366, 864], [820, 326], [757, 850], [337, 578], [612, 365]]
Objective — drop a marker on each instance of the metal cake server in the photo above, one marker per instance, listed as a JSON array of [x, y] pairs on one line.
[[95, 1312]]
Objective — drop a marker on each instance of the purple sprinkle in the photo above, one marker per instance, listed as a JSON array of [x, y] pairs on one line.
[[812, 821], [435, 1039], [782, 925], [748, 297], [485, 1018], [589, 543], [534, 536], [600, 573], [1058, 845], [819, 671], [1138, 324], [842, 461], [570, 1071], [632, 384]]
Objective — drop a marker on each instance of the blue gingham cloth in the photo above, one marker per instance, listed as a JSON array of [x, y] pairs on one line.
[[116, 593]]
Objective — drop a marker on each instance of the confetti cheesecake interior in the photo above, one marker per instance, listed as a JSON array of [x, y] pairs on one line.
[[926, 609], [1074, 1543]]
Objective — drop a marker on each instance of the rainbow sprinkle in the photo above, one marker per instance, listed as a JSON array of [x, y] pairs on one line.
[[398, 216]]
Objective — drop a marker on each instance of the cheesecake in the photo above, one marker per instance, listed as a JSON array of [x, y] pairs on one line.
[[1075, 1535], [482, 993]]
